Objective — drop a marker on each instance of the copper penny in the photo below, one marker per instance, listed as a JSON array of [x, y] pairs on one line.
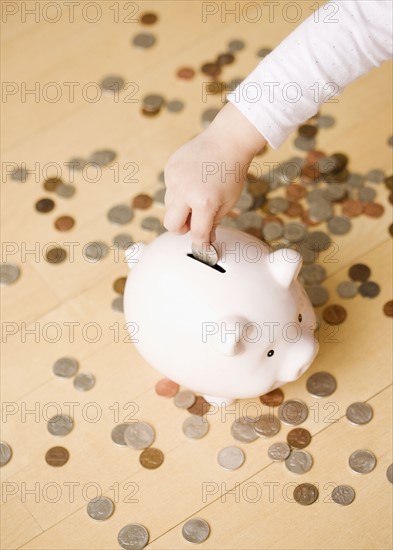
[[270, 218], [390, 229], [186, 73], [151, 458], [57, 456], [142, 201], [64, 223], [334, 314], [298, 438], [295, 210], [389, 182], [294, 191], [44, 205], [340, 162], [307, 131], [359, 272], [352, 208], [150, 113], [55, 255], [215, 87], [390, 198], [388, 308], [148, 18], [313, 156], [257, 187], [119, 284], [200, 407], [225, 59], [373, 209], [211, 69], [51, 184], [307, 220], [310, 172], [167, 388], [272, 399]]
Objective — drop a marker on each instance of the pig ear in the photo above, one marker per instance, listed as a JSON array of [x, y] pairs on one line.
[[133, 253], [284, 264], [226, 340]]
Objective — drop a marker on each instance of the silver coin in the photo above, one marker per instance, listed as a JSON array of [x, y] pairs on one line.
[[263, 52], [100, 508], [175, 106], [112, 84], [343, 494], [244, 202], [151, 223], [133, 536], [249, 219], [184, 399], [65, 190], [228, 222], [325, 121], [321, 384], [318, 240], [196, 530], [77, 163], [60, 425], [19, 174], [153, 102], [347, 289], [5, 453], [313, 274], [375, 176], [304, 144], [243, 430], [231, 458], [118, 304], [95, 251], [315, 195], [320, 211], [318, 295], [120, 214], [139, 435], [334, 192], [355, 180], [207, 254], [84, 381], [293, 412], [299, 462], [144, 40], [389, 473], [367, 194], [235, 45], [272, 231], [66, 367], [295, 232], [208, 116], [359, 413], [195, 427], [339, 225], [308, 255], [267, 425], [117, 435], [159, 196], [9, 274], [278, 205], [362, 461], [279, 451], [123, 241], [102, 157]]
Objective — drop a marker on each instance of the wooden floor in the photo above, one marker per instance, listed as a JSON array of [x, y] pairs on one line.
[[44, 507]]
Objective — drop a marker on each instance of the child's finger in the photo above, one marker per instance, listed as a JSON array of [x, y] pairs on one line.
[[202, 222], [176, 217]]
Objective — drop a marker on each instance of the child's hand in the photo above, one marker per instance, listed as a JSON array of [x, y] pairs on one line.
[[205, 176]]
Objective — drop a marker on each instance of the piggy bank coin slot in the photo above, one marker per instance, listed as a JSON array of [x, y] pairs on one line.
[[216, 266]]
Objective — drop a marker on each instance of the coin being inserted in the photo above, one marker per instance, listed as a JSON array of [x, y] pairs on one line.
[[207, 254]]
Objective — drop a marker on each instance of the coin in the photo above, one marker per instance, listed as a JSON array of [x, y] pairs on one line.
[[19, 174], [84, 381], [325, 121], [51, 184], [373, 209], [236, 45], [343, 494], [151, 458], [388, 308], [139, 435], [60, 425], [318, 295], [65, 190], [299, 462], [117, 434], [369, 289], [5, 453], [389, 183], [272, 399], [321, 384], [304, 144], [76, 163], [133, 537], [153, 102], [167, 388], [359, 272], [123, 241], [207, 254], [298, 438], [231, 458], [359, 413], [9, 274], [119, 285], [267, 425], [120, 214], [225, 58], [200, 406], [277, 205], [318, 240], [305, 494], [295, 192], [271, 231], [208, 116], [362, 461], [320, 211], [195, 427], [376, 176], [148, 18], [112, 84], [249, 219], [367, 194], [44, 205], [211, 69], [307, 130], [118, 304], [142, 201], [186, 73], [335, 192], [57, 456], [95, 251], [295, 232], [293, 412], [64, 223], [263, 52], [279, 451], [312, 274], [151, 223], [175, 106], [55, 255], [65, 367], [347, 289], [184, 399], [334, 314], [389, 473], [100, 508], [352, 208], [196, 530], [339, 225], [242, 430], [315, 195], [144, 40]]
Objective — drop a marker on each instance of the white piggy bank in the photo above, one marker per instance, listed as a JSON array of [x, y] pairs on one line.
[[235, 330]]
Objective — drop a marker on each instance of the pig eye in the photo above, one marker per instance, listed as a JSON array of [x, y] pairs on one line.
[[299, 317], [270, 353]]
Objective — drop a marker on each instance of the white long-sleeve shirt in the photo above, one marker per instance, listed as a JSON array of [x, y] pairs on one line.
[[338, 43]]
